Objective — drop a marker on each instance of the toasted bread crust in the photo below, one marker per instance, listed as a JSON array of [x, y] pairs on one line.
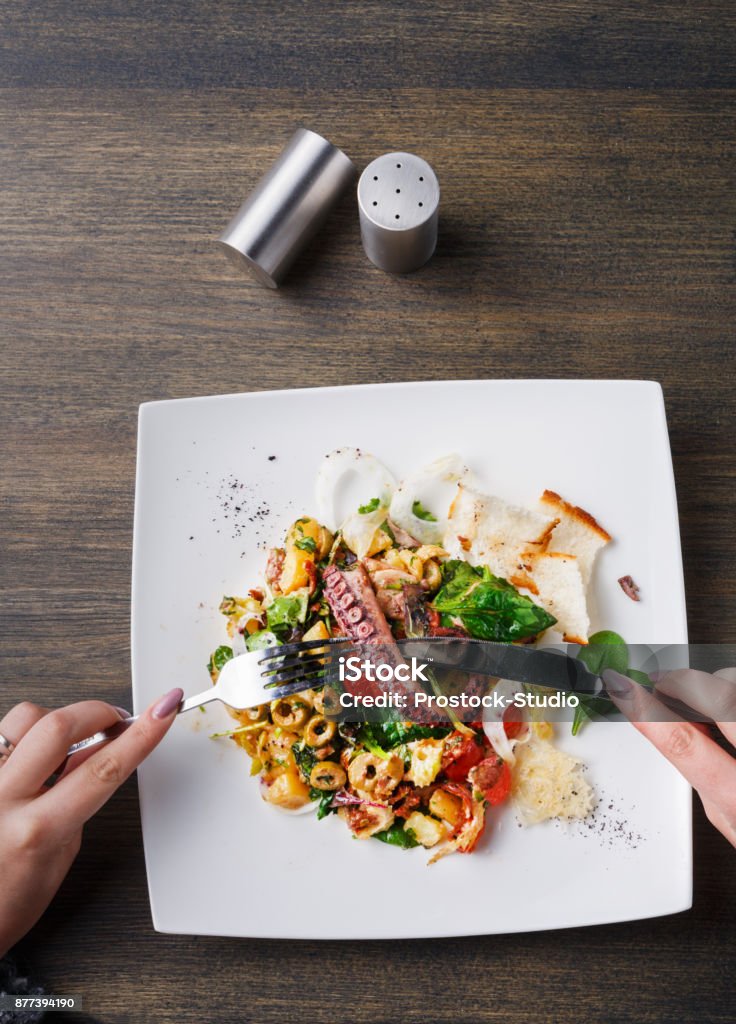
[[523, 581], [575, 640], [534, 556], [453, 503], [556, 503], [543, 540]]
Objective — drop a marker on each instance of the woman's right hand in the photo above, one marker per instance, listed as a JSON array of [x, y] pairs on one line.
[[707, 766]]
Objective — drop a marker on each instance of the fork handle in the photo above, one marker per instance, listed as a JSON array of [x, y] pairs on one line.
[[121, 726], [102, 735], [197, 700]]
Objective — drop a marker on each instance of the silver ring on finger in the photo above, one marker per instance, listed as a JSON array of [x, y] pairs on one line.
[[6, 749]]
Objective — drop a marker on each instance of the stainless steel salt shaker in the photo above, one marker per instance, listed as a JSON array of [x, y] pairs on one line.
[[398, 200]]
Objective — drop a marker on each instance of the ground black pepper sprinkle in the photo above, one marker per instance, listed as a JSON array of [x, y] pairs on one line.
[[609, 824], [241, 504], [244, 508]]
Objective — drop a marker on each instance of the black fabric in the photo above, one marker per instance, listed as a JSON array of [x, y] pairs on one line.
[[17, 984]]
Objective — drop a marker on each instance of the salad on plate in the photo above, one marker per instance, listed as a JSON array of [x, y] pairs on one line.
[[429, 556]]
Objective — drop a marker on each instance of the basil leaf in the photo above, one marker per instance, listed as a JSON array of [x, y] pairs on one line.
[[487, 607], [219, 658], [421, 513], [397, 835], [306, 544], [370, 506]]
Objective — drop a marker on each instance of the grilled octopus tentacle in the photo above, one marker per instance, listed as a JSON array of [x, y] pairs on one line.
[[359, 617], [353, 602]]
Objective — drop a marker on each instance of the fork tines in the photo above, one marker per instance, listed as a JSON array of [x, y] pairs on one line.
[[332, 643], [311, 660]]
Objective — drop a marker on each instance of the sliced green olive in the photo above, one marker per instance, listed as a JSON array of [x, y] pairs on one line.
[[327, 775], [319, 731], [290, 712], [257, 714]]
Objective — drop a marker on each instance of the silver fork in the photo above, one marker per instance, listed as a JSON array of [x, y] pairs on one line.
[[252, 679]]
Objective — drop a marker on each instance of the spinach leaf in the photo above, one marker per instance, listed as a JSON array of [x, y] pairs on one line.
[[590, 708], [305, 759], [397, 835], [370, 506], [288, 611], [367, 738], [421, 512], [218, 658], [605, 649], [407, 732], [639, 677], [488, 607], [325, 802], [387, 735]]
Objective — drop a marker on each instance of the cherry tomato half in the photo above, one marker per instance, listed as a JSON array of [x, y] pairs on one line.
[[493, 778], [461, 754], [511, 727]]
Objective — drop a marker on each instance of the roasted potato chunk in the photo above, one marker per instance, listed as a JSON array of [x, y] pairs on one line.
[[306, 541]]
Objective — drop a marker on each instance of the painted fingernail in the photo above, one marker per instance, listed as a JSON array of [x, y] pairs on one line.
[[168, 703], [616, 684], [122, 712]]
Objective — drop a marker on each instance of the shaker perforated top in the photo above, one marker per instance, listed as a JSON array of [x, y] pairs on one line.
[[398, 199]]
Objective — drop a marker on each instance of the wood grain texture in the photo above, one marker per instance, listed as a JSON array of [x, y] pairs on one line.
[[585, 154]]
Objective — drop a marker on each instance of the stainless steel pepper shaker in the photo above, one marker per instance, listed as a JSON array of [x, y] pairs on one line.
[[398, 200]]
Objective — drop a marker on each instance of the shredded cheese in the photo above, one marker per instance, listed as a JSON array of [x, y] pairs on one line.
[[548, 783]]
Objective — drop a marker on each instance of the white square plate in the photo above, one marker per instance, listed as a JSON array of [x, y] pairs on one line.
[[219, 860]]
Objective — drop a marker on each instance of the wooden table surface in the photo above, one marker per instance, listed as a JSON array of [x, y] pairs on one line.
[[585, 154]]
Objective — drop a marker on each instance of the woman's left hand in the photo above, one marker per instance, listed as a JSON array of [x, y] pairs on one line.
[[41, 825]]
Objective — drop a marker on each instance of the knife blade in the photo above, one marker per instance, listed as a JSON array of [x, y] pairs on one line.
[[550, 668]]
